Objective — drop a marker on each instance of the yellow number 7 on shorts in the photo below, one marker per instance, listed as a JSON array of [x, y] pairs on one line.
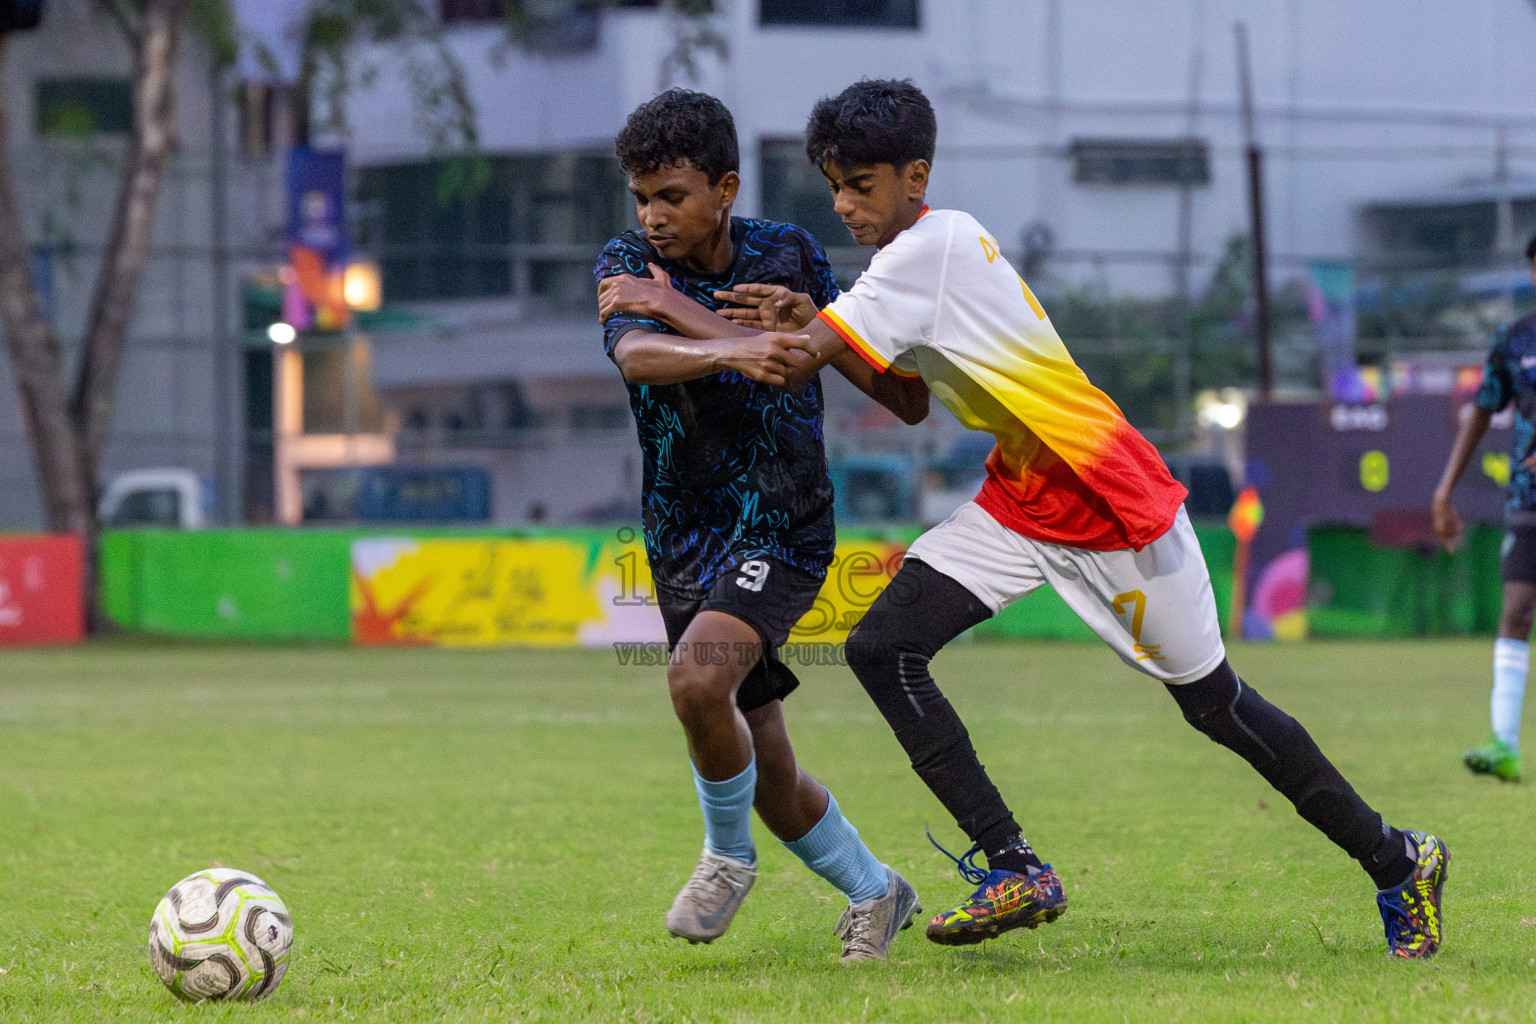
[[1137, 598]]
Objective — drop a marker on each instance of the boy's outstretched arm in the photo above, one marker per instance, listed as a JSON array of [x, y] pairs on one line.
[[715, 343], [817, 345], [773, 307], [647, 358], [710, 343]]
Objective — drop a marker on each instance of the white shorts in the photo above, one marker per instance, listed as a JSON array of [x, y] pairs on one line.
[[1155, 606]]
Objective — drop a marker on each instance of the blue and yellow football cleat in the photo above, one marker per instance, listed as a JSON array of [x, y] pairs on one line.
[[1003, 901], [1411, 911]]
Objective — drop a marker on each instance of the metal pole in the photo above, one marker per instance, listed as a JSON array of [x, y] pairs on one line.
[[1255, 162], [228, 409], [1183, 368]]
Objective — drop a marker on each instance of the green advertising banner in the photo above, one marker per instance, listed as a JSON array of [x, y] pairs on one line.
[[296, 585]]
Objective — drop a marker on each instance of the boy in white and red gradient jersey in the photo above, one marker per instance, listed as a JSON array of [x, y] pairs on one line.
[[1075, 497]]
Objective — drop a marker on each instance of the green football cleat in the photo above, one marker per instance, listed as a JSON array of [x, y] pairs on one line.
[[1496, 758]]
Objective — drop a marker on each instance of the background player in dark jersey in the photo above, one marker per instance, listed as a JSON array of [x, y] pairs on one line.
[[737, 510], [1510, 377]]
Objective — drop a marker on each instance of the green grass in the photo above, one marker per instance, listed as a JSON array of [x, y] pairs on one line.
[[496, 835]]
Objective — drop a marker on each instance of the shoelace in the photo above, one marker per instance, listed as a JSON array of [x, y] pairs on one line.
[[1399, 920], [700, 884], [966, 862], [853, 928]]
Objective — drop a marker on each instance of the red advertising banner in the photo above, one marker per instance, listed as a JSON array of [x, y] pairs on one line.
[[40, 595]]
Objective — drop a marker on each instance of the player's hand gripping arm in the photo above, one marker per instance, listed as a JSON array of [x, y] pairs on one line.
[[1448, 524], [817, 345], [646, 358], [767, 307], [654, 297], [711, 343]]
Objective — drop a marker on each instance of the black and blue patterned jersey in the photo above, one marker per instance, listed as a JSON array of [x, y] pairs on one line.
[[1510, 377], [734, 469]]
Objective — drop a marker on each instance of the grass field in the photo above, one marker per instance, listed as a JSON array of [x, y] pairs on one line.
[[496, 835]]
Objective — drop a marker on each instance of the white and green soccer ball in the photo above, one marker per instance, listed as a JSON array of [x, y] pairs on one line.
[[220, 934]]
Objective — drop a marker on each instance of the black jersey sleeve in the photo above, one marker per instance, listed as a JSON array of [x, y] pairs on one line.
[[1498, 388], [624, 255]]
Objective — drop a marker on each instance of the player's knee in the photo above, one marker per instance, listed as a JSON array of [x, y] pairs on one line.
[[869, 648], [1203, 701], [1239, 718], [699, 689]]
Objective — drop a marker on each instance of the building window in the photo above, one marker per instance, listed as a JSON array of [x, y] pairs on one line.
[[84, 106], [865, 13], [459, 12], [525, 225], [1140, 162], [258, 120], [796, 192]]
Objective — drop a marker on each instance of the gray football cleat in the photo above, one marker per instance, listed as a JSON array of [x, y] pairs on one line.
[[704, 909], [868, 928]]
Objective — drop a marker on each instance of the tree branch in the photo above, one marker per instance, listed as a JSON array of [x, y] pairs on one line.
[[123, 18], [152, 141]]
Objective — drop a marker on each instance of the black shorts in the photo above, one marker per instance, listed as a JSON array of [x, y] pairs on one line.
[[767, 595], [1517, 558]]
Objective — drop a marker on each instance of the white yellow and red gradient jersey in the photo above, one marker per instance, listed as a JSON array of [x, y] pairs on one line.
[[941, 301]]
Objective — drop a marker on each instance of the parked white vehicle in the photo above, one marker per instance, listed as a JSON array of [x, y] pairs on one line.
[[171, 498]]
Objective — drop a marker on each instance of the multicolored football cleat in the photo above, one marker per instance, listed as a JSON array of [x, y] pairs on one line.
[[1003, 901], [1411, 911], [1495, 758]]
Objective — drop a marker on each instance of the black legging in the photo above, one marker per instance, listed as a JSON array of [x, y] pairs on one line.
[[923, 609]]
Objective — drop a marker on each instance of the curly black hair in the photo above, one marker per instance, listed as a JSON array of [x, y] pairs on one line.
[[675, 126], [874, 121]]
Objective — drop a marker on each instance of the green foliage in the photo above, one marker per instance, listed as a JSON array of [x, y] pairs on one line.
[[496, 835], [213, 21], [329, 35]]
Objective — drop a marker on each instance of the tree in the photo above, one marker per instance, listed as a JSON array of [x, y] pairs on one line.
[[68, 423], [68, 419]]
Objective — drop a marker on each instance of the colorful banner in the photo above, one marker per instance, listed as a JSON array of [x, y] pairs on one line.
[[317, 240], [40, 595], [558, 592]]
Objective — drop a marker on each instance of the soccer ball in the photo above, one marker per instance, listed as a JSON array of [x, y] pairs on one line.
[[220, 934]]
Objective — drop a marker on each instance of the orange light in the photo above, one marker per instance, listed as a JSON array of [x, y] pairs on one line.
[[361, 287]]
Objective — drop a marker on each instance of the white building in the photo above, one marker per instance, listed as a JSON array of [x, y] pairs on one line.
[[1100, 140]]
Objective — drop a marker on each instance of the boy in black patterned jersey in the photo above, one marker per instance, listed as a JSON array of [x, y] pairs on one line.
[[737, 508], [1509, 379]]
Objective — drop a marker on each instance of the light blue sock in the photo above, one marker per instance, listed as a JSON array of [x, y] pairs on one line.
[[1511, 662], [833, 850], [727, 808]]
